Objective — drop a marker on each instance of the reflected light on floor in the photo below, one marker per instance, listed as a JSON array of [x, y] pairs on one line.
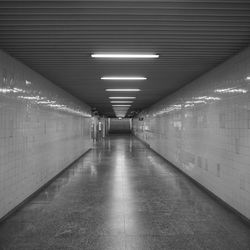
[[122, 195]]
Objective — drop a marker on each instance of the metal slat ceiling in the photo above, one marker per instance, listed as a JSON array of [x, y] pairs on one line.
[[56, 38]]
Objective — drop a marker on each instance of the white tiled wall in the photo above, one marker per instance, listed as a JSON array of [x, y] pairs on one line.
[[204, 129], [42, 130]]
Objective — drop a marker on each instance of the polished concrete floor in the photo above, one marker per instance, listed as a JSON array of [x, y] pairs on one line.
[[121, 195]]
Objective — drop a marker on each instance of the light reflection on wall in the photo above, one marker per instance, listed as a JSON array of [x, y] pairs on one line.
[[9, 90], [208, 136], [39, 99], [207, 98], [231, 90], [37, 140], [194, 101], [168, 109]]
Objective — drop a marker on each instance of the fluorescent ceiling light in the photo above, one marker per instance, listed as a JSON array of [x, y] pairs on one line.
[[121, 101], [122, 97], [121, 105], [124, 55], [124, 78], [122, 90]]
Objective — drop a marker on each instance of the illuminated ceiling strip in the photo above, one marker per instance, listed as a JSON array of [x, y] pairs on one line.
[[121, 102], [125, 56], [123, 90], [122, 97], [124, 78], [121, 105]]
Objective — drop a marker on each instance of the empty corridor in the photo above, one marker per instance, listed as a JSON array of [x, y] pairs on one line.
[[121, 195]]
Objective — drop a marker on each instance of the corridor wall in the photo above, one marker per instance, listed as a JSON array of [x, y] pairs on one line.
[[42, 130], [204, 130]]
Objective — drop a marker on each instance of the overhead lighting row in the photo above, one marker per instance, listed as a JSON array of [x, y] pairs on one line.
[[123, 90], [124, 78], [119, 107], [134, 56], [121, 101], [122, 97]]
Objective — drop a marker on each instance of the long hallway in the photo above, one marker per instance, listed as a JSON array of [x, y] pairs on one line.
[[122, 195]]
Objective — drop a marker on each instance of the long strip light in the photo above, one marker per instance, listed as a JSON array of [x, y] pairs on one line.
[[121, 105], [124, 78], [123, 90], [121, 102], [124, 55], [121, 97]]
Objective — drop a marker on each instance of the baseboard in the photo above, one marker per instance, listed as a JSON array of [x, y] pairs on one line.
[[15, 209], [242, 217]]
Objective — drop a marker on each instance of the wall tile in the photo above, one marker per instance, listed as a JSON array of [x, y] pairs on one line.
[[204, 129], [42, 130]]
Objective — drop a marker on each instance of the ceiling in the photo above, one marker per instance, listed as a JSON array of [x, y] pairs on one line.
[[56, 38]]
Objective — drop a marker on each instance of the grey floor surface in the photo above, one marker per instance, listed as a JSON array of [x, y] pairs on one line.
[[121, 195]]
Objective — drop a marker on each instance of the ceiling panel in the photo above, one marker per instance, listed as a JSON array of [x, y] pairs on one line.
[[56, 38]]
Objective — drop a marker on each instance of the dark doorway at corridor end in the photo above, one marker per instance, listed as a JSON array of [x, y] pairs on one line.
[[120, 126]]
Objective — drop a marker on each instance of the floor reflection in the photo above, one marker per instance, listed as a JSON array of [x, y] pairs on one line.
[[121, 195]]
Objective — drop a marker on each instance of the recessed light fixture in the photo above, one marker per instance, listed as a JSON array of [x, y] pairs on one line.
[[122, 97], [121, 105], [114, 55], [248, 78], [121, 101], [122, 90], [124, 78]]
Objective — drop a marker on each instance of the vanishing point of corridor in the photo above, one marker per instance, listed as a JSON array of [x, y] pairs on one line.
[[122, 195]]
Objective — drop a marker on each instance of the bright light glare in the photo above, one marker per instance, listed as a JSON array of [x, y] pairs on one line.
[[124, 55], [124, 78], [122, 97], [121, 90], [121, 101], [248, 78], [231, 90], [121, 105]]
